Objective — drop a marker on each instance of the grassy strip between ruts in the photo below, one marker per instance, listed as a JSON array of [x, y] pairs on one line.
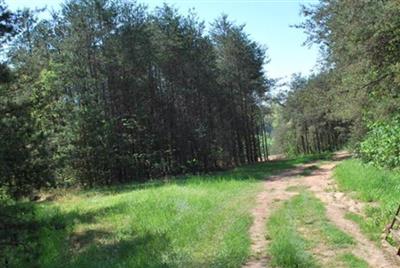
[[299, 228], [198, 221], [380, 187]]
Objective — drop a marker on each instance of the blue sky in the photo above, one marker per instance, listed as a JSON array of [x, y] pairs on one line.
[[267, 21]]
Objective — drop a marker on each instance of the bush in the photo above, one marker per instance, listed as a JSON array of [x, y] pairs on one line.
[[382, 144]]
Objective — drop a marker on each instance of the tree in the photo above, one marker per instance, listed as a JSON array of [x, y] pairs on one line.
[[360, 39], [309, 123], [243, 86], [357, 89], [121, 94]]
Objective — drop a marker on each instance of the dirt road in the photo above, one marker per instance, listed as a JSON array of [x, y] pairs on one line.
[[337, 204]]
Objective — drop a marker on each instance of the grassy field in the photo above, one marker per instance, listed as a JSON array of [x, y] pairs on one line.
[[194, 221], [380, 187], [197, 223], [299, 228]]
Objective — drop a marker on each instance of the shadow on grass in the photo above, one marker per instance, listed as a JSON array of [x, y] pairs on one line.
[[261, 171], [256, 171], [26, 231], [309, 170], [99, 247], [46, 239], [144, 250]]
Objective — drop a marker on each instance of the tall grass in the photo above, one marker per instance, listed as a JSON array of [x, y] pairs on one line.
[[370, 184], [198, 223]]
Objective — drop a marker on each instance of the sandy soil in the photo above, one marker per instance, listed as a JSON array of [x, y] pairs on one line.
[[337, 205]]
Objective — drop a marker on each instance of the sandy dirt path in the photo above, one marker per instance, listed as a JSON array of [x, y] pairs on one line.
[[337, 205]]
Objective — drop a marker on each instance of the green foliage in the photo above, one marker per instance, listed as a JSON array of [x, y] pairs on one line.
[[370, 184], [359, 41], [308, 123], [121, 93], [24, 157], [382, 143]]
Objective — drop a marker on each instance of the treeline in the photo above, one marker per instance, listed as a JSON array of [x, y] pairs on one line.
[[107, 92], [354, 99], [306, 122]]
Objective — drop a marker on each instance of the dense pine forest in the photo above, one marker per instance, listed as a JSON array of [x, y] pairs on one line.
[[105, 94], [108, 92]]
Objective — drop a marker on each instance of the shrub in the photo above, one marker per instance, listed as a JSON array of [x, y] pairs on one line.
[[382, 144]]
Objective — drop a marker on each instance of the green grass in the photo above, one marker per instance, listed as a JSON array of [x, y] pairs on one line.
[[198, 223], [299, 226], [370, 230], [262, 170], [351, 261], [370, 184], [188, 221]]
